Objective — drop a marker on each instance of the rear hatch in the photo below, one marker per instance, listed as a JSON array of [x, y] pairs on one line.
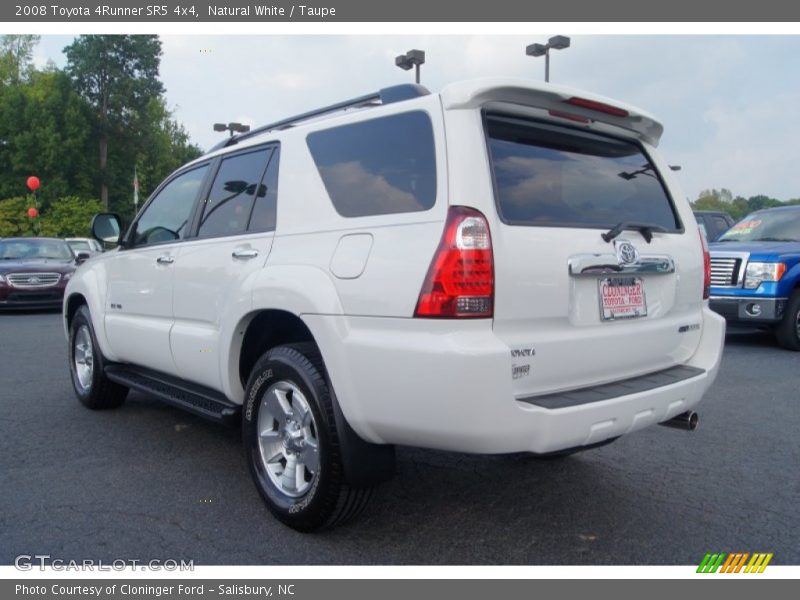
[[576, 309]]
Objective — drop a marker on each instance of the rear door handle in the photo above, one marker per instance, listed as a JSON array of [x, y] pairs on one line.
[[245, 254], [166, 259]]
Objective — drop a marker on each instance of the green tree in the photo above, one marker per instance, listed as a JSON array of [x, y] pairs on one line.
[[45, 130], [118, 77], [711, 200], [739, 208], [720, 197], [49, 129], [69, 217], [16, 57], [722, 200], [760, 202], [157, 145], [14, 219], [161, 148]]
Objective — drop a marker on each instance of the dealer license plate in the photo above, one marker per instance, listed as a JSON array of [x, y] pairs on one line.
[[621, 298]]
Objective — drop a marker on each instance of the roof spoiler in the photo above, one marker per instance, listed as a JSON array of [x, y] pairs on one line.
[[560, 101]]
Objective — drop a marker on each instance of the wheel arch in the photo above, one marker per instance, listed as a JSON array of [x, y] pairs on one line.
[[89, 286], [73, 302], [365, 463], [261, 330]]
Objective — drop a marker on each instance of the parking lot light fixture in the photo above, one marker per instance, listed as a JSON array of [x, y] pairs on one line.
[[232, 127], [412, 58], [557, 42]]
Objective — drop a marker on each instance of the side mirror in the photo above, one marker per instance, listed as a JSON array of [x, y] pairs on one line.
[[82, 257], [107, 229]]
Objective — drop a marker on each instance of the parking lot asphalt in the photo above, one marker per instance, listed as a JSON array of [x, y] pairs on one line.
[[147, 481]]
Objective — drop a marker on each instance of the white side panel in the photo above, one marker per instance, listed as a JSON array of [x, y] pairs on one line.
[[392, 277], [212, 290], [195, 347], [139, 307], [91, 282], [141, 340]]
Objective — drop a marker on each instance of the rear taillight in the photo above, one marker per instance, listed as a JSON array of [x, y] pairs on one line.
[[706, 267], [460, 280]]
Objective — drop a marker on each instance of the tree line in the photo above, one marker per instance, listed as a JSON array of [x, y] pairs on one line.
[[736, 206], [83, 130]]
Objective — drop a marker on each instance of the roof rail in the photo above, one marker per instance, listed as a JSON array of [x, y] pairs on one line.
[[387, 95]]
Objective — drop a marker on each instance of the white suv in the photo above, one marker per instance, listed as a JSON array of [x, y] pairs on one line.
[[499, 267]]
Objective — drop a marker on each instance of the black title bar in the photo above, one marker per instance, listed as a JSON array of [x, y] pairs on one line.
[[465, 11]]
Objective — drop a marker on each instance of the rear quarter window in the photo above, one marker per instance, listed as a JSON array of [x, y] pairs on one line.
[[547, 175], [377, 167]]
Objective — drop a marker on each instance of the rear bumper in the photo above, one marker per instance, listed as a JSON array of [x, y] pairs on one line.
[[755, 310], [424, 383]]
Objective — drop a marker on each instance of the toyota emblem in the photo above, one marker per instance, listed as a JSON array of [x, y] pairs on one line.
[[627, 254], [34, 280]]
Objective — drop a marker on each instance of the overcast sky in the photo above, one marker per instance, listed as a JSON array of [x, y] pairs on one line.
[[729, 103]]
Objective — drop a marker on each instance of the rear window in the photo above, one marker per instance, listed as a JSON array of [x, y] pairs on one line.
[[554, 176], [378, 167]]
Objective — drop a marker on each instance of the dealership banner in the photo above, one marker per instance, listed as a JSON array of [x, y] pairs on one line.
[[190, 11]]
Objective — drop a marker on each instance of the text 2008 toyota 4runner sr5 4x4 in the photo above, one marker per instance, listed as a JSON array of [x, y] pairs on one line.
[[499, 267]]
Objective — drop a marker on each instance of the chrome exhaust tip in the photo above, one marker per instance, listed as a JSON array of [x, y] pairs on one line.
[[688, 421]]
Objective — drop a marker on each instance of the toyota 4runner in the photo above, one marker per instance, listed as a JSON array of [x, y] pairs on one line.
[[500, 267]]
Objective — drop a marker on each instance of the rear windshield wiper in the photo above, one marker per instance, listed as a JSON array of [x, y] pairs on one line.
[[646, 229], [773, 239]]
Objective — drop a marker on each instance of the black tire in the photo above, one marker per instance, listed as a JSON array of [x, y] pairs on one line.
[[787, 331], [96, 391], [297, 373]]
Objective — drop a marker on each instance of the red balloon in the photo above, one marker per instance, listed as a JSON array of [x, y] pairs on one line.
[[33, 183], [32, 212]]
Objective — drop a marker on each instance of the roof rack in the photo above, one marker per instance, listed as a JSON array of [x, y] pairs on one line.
[[387, 95]]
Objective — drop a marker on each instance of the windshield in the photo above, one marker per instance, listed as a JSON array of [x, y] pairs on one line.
[[22, 249], [80, 246], [774, 226]]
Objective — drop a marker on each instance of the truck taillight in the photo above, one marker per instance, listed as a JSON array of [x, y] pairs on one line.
[[598, 106], [460, 280], [706, 267]]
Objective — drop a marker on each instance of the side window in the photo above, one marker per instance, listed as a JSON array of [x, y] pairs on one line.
[[166, 218], [236, 187], [265, 208], [721, 224], [381, 166]]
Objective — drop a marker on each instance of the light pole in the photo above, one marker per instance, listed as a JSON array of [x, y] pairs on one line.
[[232, 127], [557, 42], [412, 58]]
